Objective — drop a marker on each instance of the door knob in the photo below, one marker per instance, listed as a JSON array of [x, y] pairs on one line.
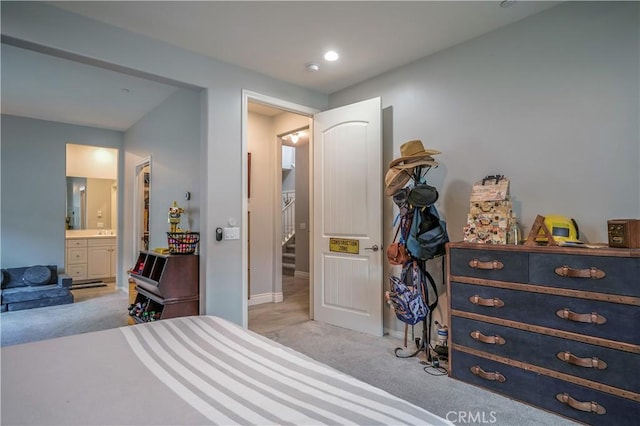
[[373, 247]]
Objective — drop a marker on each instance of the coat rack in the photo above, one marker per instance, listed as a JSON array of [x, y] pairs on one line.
[[426, 322]]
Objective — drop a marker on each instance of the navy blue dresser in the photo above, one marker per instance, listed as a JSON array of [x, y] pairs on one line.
[[554, 327]]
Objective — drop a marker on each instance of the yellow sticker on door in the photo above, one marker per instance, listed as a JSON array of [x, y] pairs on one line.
[[341, 245]]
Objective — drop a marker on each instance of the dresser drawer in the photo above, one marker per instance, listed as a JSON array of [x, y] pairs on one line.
[[542, 391], [76, 256], [490, 265], [620, 274], [77, 272], [545, 310], [76, 242], [543, 350]]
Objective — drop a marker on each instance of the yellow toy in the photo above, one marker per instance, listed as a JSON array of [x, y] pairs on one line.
[[174, 217], [562, 228]]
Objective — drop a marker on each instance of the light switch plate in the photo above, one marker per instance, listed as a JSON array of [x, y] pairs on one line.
[[232, 233]]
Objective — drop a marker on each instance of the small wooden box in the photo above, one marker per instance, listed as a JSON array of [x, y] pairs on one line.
[[624, 233]]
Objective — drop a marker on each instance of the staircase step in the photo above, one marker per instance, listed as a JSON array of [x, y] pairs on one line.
[[288, 269], [290, 248], [289, 256]]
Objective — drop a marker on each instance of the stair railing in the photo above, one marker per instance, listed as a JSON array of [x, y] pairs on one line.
[[288, 216]]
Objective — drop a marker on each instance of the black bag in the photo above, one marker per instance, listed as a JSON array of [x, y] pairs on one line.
[[422, 195]]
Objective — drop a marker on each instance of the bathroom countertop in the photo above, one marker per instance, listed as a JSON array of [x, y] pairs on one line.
[[84, 235]]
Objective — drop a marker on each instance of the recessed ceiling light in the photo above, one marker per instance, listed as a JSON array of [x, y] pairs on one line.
[[313, 67], [331, 56]]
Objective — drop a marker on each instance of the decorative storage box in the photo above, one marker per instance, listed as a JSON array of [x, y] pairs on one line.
[[624, 233], [488, 222], [491, 188], [490, 212]]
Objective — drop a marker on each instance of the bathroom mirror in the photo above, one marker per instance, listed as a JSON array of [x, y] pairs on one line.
[[92, 190], [91, 203]]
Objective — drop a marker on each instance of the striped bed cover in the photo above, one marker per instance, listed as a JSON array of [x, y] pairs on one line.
[[191, 370]]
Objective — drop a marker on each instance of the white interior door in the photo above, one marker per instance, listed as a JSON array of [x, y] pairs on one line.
[[347, 193]]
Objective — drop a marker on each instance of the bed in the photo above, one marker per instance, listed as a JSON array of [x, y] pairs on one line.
[[198, 370]]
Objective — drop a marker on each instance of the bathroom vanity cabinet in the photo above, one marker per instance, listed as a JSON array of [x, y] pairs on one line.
[[90, 258]]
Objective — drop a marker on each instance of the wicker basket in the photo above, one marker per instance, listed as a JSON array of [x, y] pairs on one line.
[[183, 242]]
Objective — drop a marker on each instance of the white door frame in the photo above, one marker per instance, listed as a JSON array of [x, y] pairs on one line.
[[138, 198], [114, 206], [249, 96]]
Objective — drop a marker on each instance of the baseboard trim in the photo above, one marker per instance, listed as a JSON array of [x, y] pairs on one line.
[[92, 284], [394, 333], [399, 334], [258, 299], [301, 274]]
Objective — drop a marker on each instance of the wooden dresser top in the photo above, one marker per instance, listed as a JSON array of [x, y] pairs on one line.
[[589, 251]]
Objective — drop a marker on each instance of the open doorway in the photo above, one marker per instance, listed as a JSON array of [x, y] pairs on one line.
[[91, 218], [278, 244], [141, 191]]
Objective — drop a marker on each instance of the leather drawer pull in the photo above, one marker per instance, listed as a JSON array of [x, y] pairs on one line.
[[592, 273], [494, 376], [495, 265], [491, 340], [481, 301], [592, 318], [592, 362], [588, 406]]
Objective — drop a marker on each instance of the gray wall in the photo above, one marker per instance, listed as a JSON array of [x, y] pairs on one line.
[[289, 177], [552, 102], [33, 158], [222, 269], [170, 134], [261, 141], [302, 210]]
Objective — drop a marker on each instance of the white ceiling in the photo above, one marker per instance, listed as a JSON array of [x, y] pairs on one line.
[[49, 88], [273, 38]]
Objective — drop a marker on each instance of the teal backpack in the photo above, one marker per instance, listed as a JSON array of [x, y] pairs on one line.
[[428, 234]]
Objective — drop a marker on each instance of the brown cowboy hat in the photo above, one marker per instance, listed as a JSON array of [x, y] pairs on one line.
[[410, 164], [395, 179], [414, 150]]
